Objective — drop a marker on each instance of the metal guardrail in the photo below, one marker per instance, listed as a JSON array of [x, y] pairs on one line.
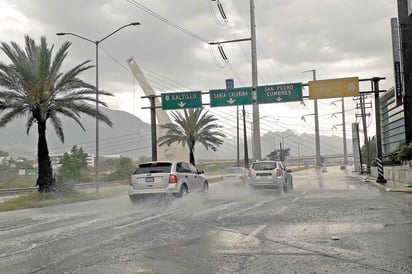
[[22, 190], [14, 191]]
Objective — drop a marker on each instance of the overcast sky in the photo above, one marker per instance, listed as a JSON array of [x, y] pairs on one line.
[[338, 38]]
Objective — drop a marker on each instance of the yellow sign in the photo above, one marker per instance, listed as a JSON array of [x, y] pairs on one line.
[[333, 88]]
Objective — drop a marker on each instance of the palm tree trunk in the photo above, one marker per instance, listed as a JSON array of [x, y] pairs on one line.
[[192, 157], [45, 181]]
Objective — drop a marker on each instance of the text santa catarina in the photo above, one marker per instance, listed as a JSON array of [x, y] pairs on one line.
[[230, 97]]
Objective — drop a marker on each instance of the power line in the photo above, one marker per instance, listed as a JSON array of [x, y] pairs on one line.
[[167, 21]]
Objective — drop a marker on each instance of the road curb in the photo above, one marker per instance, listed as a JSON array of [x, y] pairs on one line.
[[389, 189]]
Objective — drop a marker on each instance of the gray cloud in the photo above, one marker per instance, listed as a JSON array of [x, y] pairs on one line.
[[336, 37]]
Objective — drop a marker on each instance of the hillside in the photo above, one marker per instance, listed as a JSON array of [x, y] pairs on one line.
[[130, 137]]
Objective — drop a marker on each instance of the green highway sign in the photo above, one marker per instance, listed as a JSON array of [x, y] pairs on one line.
[[279, 93], [180, 100], [230, 97]]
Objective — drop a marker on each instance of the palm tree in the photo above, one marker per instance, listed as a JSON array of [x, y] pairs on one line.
[[32, 86], [191, 128]]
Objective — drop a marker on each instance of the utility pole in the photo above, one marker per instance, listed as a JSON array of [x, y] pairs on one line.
[[245, 139], [345, 148], [362, 106], [379, 161], [153, 126], [237, 137], [256, 124], [317, 137]]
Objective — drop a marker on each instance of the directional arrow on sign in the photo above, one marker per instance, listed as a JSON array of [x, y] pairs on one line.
[[181, 104], [279, 99], [231, 101]]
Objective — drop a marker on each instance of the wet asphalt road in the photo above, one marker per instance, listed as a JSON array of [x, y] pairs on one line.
[[333, 222]]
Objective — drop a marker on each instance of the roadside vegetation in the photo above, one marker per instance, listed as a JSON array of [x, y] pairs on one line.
[[402, 155], [34, 87], [37, 199]]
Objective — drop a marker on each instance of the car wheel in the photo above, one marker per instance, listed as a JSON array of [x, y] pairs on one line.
[[133, 199], [286, 187], [205, 189], [183, 192]]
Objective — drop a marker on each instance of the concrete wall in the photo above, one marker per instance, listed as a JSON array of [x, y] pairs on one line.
[[400, 175]]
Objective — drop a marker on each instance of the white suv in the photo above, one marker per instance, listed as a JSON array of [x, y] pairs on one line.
[[167, 177], [270, 174]]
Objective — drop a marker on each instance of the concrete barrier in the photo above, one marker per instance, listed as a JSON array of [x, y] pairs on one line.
[[400, 176]]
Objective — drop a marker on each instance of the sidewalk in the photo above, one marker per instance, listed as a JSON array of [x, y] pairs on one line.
[[390, 186]]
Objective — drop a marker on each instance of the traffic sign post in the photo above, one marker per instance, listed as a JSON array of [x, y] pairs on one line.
[[279, 93], [334, 88], [181, 100], [230, 97]]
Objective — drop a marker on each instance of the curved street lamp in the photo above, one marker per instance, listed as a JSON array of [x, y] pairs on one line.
[[97, 42]]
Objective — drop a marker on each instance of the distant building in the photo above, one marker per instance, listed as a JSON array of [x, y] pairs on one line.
[[405, 30], [56, 160], [393, 122], [4, 160], [90, 160]]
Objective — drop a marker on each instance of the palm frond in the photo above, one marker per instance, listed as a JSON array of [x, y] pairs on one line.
[[29, 124], [191, 127], [57, 123]]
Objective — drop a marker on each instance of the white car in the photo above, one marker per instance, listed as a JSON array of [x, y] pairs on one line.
[[270, 175], [166, 177], [235, 176]]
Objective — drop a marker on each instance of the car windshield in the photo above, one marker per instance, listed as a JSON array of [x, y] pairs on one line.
[[234, 170], [153, 168], [264, 166]]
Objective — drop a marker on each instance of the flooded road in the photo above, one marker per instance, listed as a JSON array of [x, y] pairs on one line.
[[332, 222]]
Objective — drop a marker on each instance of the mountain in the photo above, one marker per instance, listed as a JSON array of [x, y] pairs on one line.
[[131, 137]]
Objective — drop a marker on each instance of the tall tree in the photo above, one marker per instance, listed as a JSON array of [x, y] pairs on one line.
[[73, 164], [32, 86], [191, 127]]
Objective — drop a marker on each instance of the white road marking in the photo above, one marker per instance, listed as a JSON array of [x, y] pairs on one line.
[[304, 192], [283, 208], [254, 233], [294, 200], [140, 221], [255, 206]]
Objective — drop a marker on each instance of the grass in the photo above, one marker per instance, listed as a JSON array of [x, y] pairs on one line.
[[18, 182], [35, 200]]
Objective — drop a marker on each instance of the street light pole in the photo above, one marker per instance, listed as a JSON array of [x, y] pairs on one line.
[[97, 42]]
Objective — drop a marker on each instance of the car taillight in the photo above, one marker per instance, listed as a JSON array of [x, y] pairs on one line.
[[130, 181], [172, 179], [241, 177], [278, 172], [249, 173]]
